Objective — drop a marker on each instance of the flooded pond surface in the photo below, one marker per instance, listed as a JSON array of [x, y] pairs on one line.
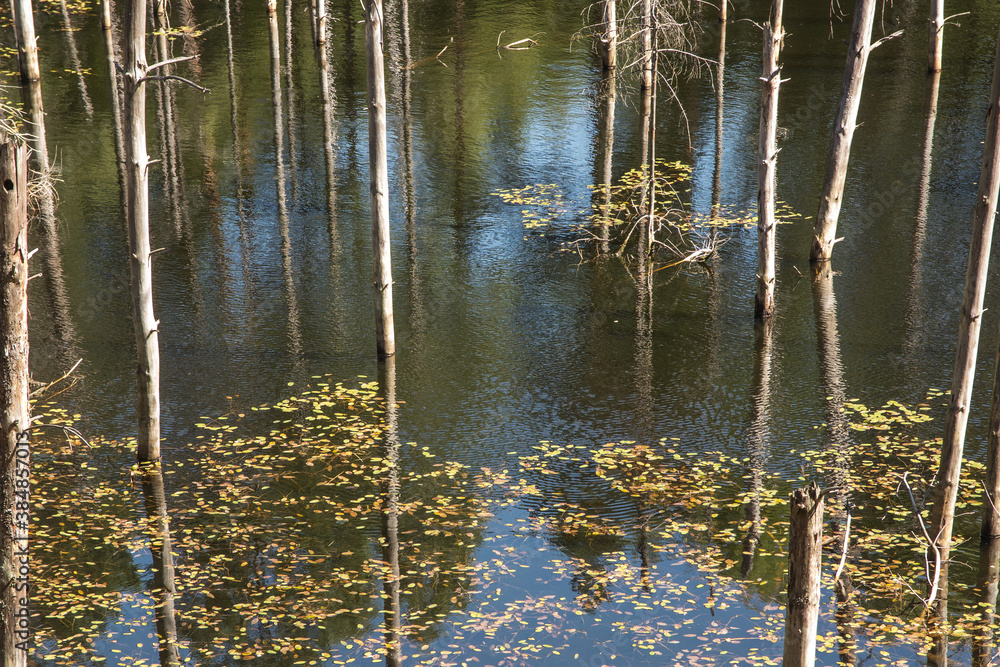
[[577, 472]]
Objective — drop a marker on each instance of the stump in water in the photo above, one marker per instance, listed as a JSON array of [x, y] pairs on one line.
[[805, 557]]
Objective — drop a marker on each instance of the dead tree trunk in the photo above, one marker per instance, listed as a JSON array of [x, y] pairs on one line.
[[647, 44], [825, 230], [24, 31], [137, 172], [767, 158], [805, 557], [968, 333], [385, 337], [720, 81], [390, 517], [606, 149], [609, 36], [15, 419], [936, 37], [986, 584], [116, 103]]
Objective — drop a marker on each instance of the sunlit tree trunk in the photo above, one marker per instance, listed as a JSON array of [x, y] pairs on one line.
[[767, 158], [385, 337], [936, 37], [24, 31], [606, 151], [15, 416], [647, 44], [825, 229], [804, 561], [609, 34], [970, 323], [390, 517], [137, 216], [720, 82]]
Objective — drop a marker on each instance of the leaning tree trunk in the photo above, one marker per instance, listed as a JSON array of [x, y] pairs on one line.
[[24, 31], [825, 230], [968, 333], [15, 418], [767, 158], [936, 37], [385, 338], [137, 215]]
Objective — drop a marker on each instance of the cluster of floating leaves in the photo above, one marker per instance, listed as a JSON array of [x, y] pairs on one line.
[[281, 543], [618, 205]]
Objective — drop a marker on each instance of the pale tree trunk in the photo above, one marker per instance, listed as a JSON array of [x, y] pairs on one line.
[[825, 229], [647, 44], [720, 82], [970, 323], [767, 158], [24, 31], [606, 150], [805, 557], [936, 36], [385, 337], [15, 418], [137, 215], [609, 36]]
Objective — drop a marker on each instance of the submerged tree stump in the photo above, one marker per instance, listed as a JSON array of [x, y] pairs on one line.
[[805, 557]]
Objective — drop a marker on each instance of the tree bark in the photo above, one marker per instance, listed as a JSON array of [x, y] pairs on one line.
[[767, 158], [15, 463], [970, 323], [936, 36], [609, 36], [385, 337], [24, 31], [647, 44], [805, 557], [825, 230], [137, 215]]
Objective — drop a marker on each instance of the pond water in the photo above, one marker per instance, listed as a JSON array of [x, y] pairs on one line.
[[519, 358]]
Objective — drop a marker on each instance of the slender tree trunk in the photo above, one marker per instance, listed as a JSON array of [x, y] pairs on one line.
[[825, 230], [290, 89], [609, 36], [606, 150], [385, 337], [651, 211], [137, 170], [320, 21], [970, 323], [164, 590], [15, 418], [720, 95], [647, 44], [937, 625], [805, 558], [24, 31], [767, 158], [936, 37]]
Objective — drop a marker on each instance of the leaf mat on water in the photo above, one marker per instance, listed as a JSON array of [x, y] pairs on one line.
[[279, 546]]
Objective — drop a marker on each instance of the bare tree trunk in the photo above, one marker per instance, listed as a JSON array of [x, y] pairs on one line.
[[936, 37], [986, 583], [161, 550], [805, 557], [15, 463], [825, 230], [970, 323], [290, 88], [767, 158], [937, 624], [606, 150], [24, 31], [385, 337], [647, 44], [137, 170], [719, 106], [319, 21], [609, 36]]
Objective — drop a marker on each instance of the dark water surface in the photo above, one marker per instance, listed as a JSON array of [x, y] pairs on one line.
[[503, 341]]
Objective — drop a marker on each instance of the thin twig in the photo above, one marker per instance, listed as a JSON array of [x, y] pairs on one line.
[[843, 551], [173, 77], [164, 63], [64, 376]]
